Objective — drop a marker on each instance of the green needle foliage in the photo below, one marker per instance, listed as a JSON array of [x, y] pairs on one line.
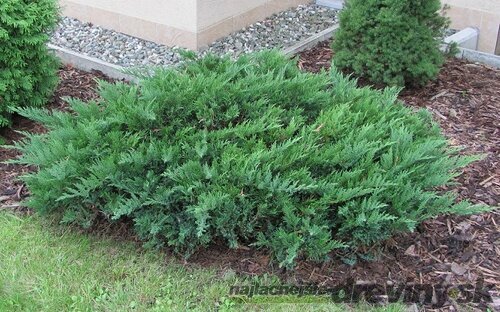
[[247, 152], [391, 42], [27, 70]]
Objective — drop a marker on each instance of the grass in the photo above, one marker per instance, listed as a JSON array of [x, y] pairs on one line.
[[47, 268]]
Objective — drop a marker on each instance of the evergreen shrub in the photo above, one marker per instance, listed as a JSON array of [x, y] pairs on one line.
[[27, 70], [251, 152], [391, 42]]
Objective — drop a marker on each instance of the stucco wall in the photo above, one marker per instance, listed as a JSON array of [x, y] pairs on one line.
[[186, 23], [482, 14], [171, 22]]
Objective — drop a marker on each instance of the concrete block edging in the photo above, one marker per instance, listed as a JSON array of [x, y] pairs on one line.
[[467, 41], [88, 63], [311, 41]]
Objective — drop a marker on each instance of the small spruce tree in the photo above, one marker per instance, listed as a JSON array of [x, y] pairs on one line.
[[27, 70], [391, 42]]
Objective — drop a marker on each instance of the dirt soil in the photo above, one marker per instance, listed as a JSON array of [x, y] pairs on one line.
[[465, 100]]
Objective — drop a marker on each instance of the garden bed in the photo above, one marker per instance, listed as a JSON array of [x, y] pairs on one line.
[[280, 30], [73, 83], [452, 250], [465, 101]]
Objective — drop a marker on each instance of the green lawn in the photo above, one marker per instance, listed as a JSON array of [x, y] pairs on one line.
[[47, 268]]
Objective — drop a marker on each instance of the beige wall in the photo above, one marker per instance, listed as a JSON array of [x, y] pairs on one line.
[[482, 14], [171, 22], [186, 23]]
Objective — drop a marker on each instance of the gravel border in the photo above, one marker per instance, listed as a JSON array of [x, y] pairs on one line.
[[280, 30]]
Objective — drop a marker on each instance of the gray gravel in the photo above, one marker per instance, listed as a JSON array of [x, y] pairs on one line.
[[278, 31]]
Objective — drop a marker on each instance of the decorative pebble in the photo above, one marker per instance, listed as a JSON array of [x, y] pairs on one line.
[[280, 30]]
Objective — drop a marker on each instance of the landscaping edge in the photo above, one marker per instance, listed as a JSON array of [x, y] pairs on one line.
[[87, 63]]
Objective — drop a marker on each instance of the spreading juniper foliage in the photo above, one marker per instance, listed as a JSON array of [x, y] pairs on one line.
[[27, 70], [391, 42], [248, 152]]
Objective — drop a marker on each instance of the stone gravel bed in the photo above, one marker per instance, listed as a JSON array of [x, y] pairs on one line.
[[280, 30]]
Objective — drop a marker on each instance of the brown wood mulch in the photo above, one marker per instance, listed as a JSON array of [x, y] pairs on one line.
[[465, 100], [74, 84]]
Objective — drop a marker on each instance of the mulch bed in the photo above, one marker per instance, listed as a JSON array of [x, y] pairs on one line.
[[465, 100], [448, 250], [73, 84]]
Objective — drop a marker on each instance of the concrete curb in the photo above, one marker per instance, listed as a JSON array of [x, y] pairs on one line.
[[466, 38], [336, 4], [311, 41], [88, 63], [480, 57], [467, 43]]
